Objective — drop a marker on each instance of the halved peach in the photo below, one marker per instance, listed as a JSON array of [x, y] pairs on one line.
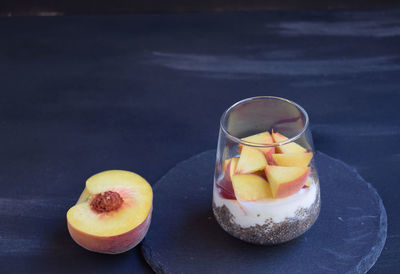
[[113, 213], [251, 159], [264, 138], [285, 181], [292, 159], [250, 187], [288, 148]]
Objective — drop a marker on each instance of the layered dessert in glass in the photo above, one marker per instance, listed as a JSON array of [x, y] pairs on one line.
[[266, 188]]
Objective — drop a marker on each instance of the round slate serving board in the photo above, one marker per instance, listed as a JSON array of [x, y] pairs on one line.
[[184, 237]]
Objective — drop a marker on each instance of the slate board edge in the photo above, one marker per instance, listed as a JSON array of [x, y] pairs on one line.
[[363, 266], [154, 265], [147, 252], [368, 261]]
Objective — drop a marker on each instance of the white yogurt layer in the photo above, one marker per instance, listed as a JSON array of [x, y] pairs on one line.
[[248, 214]]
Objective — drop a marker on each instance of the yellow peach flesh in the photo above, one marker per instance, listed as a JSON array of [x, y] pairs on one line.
[[250, 160], [115, 230], [293, 159], [285, 181], [250, 187], [287, 148], [134, 190], [231, 169], [263, 138]]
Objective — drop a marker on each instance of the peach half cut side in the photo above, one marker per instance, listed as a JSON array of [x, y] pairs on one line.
[[251, 160], [292, 159], [250, 187], [264, 138], [288, 148], [286, 181], [113, 213]]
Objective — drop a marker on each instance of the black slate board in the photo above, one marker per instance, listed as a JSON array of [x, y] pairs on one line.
[[184, 237]]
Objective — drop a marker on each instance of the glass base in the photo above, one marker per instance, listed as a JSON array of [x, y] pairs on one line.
[[270, 233]]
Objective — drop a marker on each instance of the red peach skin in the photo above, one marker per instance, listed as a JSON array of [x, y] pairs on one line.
[[114, 244], [290, 188]]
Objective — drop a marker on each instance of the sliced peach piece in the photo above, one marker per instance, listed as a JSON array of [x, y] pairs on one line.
[[288, 148], [251, 159], [250, 187], [226, 162], [225, 184], [264, 138], [260, 173], [113, 213], [231, 167], [226, 189], [292, 159], [285, 181], [307, 184]]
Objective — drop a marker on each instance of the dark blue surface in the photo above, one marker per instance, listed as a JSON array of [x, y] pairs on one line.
[[142, 93], [347, 237]]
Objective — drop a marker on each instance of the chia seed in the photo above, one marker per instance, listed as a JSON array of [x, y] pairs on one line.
[[270, 233]]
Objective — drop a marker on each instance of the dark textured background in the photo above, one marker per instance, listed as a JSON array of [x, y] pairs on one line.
[[74, 7], [83, 94]]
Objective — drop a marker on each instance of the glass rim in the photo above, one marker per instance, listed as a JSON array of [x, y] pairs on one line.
[[242, 142]]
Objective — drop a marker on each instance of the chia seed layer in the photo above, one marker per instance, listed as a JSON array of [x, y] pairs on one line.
[[270, 233]]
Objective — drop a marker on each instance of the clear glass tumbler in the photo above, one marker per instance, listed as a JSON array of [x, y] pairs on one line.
[[266, 187]]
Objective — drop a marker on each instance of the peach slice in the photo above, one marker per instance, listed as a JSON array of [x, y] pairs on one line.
[[113, 212], [225, 184], [260, 173], [231, 167], [251, 159], [250, 187], [226, 162], [285, 181], [288, 148], [292, 159], [307, 184], [262, 138], [226, 189]]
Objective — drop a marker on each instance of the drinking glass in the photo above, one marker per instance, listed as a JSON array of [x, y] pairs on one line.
[[266, 187]]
